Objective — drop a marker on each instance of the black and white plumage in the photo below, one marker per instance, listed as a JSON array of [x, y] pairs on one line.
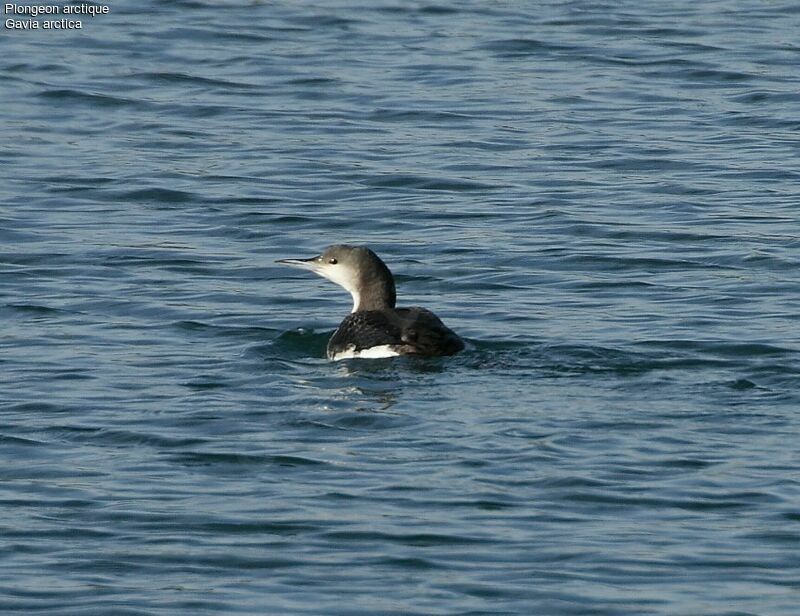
[[375, 328]]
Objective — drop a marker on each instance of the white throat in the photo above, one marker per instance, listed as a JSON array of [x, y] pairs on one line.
[[356, 300], [346, 279]]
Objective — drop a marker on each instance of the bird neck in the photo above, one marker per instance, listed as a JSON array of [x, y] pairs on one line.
[[378, 294]]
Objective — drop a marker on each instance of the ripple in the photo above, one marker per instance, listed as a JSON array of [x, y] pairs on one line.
[[522, 47], [157, 195], [68, 95], [428, 183], [298, 343], [217, 459], [409, 539], [166, 77]]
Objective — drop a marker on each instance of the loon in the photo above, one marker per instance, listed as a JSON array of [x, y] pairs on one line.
[[375, 328]]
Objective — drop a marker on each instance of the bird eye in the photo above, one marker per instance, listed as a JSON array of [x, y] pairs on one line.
[[332, 261]]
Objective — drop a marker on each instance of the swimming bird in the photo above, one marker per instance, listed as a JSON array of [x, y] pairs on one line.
[[375, 328]]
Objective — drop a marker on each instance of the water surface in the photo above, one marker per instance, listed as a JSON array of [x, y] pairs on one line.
[[601, 197]]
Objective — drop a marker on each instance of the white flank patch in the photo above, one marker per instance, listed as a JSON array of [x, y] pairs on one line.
[[376, 352]]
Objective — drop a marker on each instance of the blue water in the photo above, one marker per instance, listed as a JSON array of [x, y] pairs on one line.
[[602, 198]]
